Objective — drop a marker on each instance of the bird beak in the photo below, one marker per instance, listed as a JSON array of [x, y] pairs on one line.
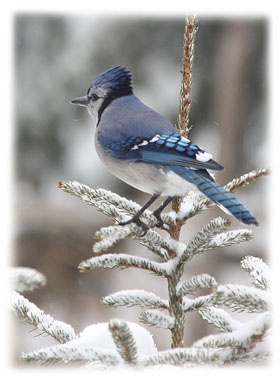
[[82, 101]]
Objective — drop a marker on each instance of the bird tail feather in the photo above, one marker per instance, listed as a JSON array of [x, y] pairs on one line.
[[224, 199]]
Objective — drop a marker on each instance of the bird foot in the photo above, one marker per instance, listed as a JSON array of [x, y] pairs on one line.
[[138, 222], [160, 222]]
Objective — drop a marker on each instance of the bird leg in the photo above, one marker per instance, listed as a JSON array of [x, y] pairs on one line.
[[158, 211], [136, 218]]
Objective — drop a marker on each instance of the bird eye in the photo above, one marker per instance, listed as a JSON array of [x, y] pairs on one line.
[[94, 97]]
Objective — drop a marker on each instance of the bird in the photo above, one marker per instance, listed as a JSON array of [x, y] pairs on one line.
[[145, 150]]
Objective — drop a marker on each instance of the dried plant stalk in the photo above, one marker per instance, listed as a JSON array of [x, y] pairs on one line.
[[185, 93], [176, 303]]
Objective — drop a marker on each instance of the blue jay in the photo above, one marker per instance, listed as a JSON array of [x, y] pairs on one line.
[[143, 149]]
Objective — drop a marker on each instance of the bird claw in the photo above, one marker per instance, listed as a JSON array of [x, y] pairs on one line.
[[138, 222], [160, 222]]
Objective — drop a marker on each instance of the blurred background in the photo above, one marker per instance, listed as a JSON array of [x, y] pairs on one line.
[[55, 60]]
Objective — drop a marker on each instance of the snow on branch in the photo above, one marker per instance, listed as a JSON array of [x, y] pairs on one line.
[[242, 340], [66, 353], [101, 345], [198, 302], [258, 270], [243, 298], [60, 331], [200, 281], [210, 237], [246, 179], [261, 351], [109, 203], [219, 318], [239, 298], [227, 239], [249, 342], [26, 279], [183, 356], [122, 261], [108, 236], [194, 203], [124, 340], [135, 298], [120, 209], [105, 201], [205, 236], [155, 243], [157, 319]]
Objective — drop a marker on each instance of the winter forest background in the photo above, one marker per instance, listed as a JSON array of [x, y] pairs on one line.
[[56, 58]]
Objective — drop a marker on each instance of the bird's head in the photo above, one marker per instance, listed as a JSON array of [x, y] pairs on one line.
[[111, 84]]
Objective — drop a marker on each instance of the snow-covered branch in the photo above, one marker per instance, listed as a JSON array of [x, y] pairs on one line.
[[198, 302], [242, 340], [183, 356], [246, 179], [200, 281], [157, 318], [211, 237], [60, 331], [122, 260], [109, 203], [219, 318], [124, 340], [115, 343], [26, 279], [69, 354], [239, 298], [258, 270], [135, 298], [108, 236], [243, 298]]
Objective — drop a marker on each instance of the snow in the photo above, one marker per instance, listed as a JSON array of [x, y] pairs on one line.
[[123, 260], [219, 317], [187, 204], [176, 246], [172, 216], [62, 331], [159, 319], [137, 297], [102, 196], [170, 266], [198, 281], [244, 336], [69, 353], [26, 279], [98, 336], [231, 237], [242, 291], [256, 326], [110, 236], [258, 270]]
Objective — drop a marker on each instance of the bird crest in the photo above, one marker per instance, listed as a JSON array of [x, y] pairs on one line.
[[116, 80]]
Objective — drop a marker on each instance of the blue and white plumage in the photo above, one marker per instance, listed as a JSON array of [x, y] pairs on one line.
[[145, 150]]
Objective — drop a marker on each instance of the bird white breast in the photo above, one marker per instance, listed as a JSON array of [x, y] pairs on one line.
[[145, 177]]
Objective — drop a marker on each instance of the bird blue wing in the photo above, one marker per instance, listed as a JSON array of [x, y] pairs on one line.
[[165, 149]]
